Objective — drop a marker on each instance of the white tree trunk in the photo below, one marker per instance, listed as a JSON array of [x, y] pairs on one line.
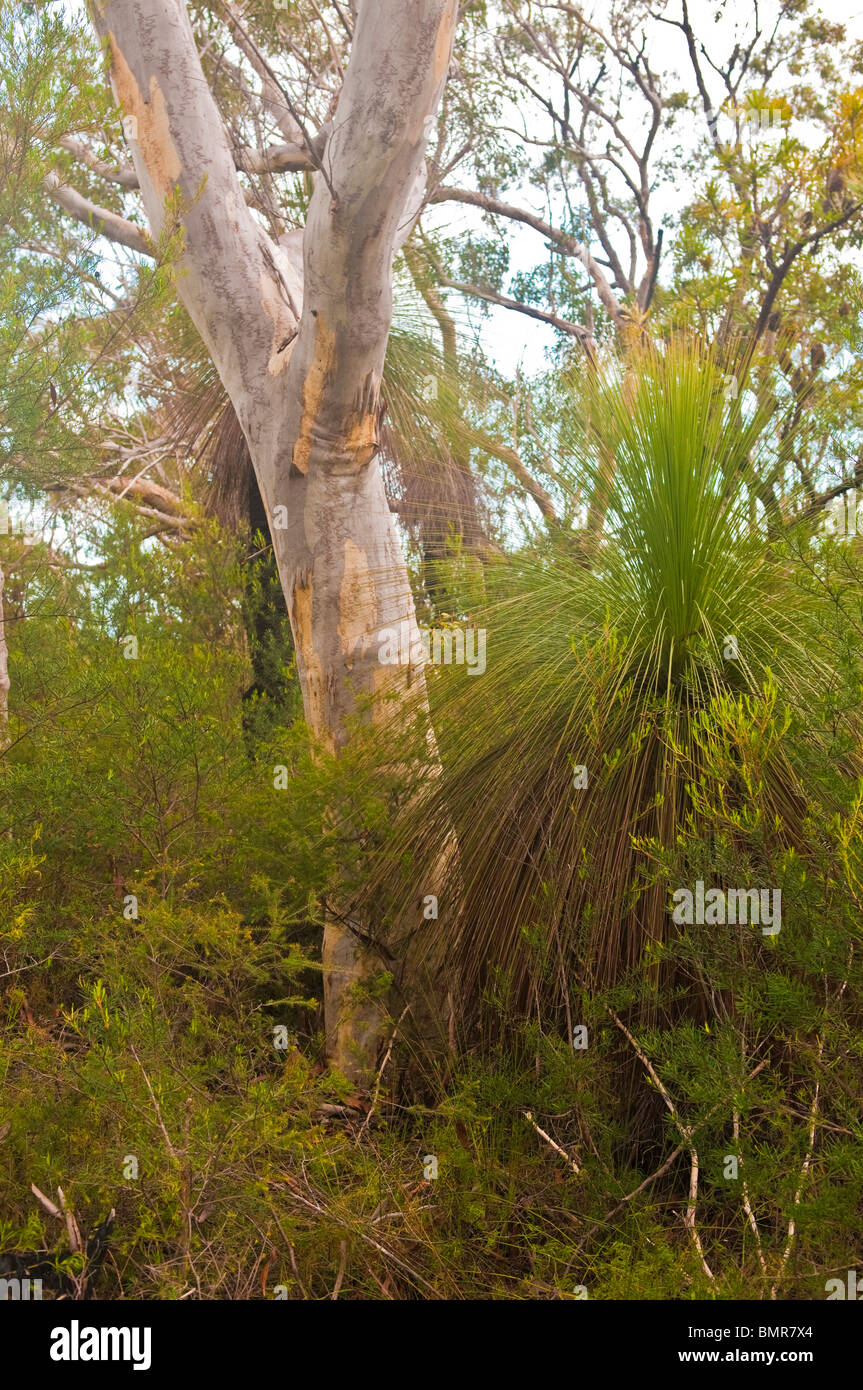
[[300, 349]]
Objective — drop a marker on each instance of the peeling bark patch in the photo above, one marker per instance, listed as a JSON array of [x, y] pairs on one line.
[[443, 46], [315, 685], [284, 326], [357, 443], [313, 391], [362, 436], [154, 131], [361, 440], [358, 608], [303, 598]]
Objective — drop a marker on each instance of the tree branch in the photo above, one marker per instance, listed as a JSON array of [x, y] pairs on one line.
[[287, 157], [566, 243], [231, 277], [510, 457], [575, 330], [805, 244], [99, 220], [686, 1134], [374, 157], [125, 175]]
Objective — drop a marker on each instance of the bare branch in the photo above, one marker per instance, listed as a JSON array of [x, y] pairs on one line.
[[686, 1134], [792, 1224], [566, 243], [99, 220], [276, 159], [747, 1205], [288, 157], [575, 330], [548, 1139], [805, 244], [478, 440], [125, 175]]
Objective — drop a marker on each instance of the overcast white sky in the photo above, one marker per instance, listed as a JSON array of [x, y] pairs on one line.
[[511, 338]]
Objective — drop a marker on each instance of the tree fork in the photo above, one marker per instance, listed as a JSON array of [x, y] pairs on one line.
[[300, 351]]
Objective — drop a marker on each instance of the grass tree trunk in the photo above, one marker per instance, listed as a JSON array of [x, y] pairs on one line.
[[298, 333]]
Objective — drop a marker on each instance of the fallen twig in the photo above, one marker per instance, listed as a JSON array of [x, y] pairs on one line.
[[686, 1134], [381, 1069], [343, 1252], [792, 1225], [548, 1139], [49, 1206]]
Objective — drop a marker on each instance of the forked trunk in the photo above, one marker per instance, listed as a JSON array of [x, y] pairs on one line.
[[298, 333]]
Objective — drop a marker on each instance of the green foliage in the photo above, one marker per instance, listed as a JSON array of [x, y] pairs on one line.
[[256, 1167], [170, 846]]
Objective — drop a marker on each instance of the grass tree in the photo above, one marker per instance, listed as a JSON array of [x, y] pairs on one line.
[[573, 764]]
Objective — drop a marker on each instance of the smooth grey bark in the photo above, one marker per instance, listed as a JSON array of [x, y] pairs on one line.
[[300, 349]]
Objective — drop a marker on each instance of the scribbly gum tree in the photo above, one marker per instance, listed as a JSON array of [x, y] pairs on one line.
[[297, 328]]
